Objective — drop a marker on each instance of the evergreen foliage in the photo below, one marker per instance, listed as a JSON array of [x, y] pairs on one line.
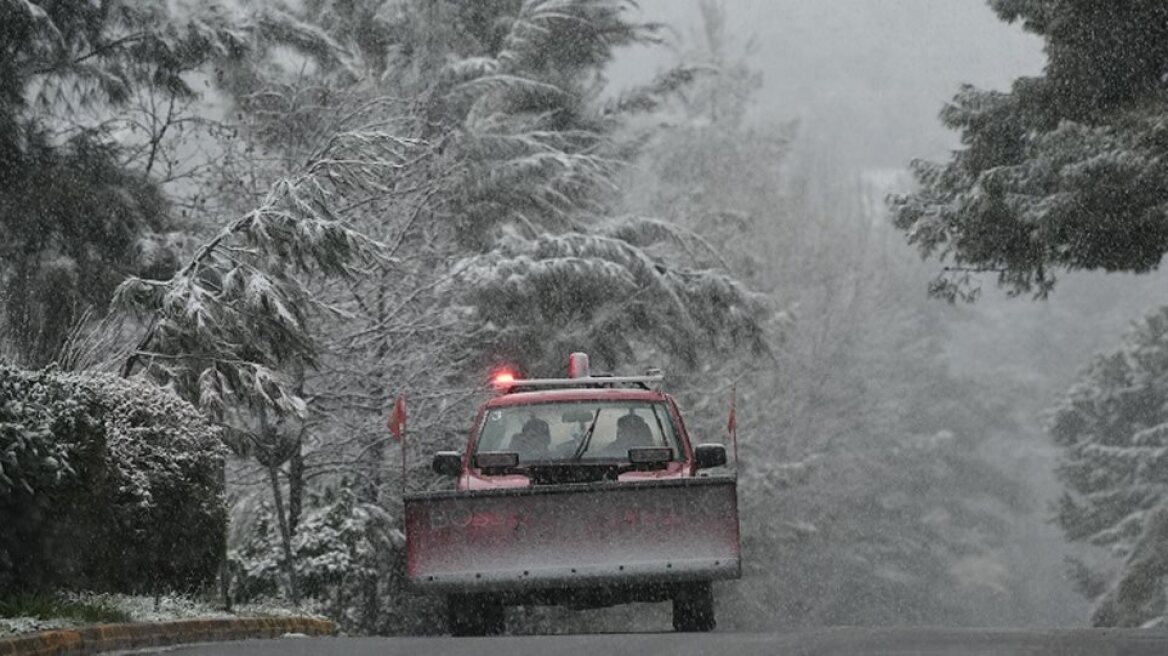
[[541, 158], [1063, 172], [72, 213], [236, 313], [71, 218], [95, 100], [545, 297]]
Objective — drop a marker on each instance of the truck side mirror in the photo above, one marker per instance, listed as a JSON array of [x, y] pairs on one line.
[[709, 455], [448, 463]]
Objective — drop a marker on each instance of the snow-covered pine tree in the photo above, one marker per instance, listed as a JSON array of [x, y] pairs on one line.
[[236, 313], [231, 330], [540, 298], [1066, 170], [1113, 430], [100, 107], [532, 148], [541, 154]]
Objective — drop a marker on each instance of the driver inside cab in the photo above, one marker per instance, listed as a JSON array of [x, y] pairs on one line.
[[533, 441]]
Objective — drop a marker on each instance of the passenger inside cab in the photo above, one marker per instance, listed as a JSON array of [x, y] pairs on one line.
[[631, 432]]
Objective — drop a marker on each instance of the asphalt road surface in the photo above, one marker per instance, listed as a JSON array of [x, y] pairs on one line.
[[945, 642]]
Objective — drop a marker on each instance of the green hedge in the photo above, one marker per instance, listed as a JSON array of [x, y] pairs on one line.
[[106, 484]]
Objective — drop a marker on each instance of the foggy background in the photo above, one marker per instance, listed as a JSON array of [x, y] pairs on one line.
[[865, 78], [865, 81]]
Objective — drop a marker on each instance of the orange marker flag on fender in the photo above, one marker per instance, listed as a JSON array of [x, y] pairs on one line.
[[397, 426], [397, 418], [732, 422]]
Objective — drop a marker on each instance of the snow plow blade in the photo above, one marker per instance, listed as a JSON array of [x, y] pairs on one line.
[[573, 535]]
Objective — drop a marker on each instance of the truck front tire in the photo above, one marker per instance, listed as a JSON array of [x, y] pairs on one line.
[[474, 615], [693, 608]]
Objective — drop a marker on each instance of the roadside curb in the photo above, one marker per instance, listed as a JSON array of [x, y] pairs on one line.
[[109, 637]]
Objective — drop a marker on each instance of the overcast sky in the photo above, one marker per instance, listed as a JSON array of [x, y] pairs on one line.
[[866, 77]]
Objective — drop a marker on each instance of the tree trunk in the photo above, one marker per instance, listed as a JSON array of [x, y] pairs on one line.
[[285, 535], [269, 457], [296, 485], [371, 493], [296, 465], [224, 563], [371, 606]]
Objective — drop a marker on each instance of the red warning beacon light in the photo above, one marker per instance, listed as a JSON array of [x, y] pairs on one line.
[[503, 377]]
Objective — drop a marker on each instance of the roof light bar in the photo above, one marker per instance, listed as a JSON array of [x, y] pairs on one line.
[[586, 382]]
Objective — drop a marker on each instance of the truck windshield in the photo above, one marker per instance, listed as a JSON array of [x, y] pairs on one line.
[[542, 432]]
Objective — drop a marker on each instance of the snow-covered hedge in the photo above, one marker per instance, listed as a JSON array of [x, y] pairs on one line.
[[106, 484]]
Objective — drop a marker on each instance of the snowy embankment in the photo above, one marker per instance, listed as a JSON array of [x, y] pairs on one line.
[[143, 609]]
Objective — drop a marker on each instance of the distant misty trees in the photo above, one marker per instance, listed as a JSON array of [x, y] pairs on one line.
[[1068, 172], [866, 492], [1113, 429]]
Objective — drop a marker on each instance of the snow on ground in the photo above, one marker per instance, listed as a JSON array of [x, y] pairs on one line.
[[142, 609], [14, 625]]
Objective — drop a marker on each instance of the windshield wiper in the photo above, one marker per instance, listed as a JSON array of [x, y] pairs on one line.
[[579, 452]]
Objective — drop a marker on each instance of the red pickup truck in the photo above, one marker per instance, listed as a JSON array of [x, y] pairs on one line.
[[583, 491]]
